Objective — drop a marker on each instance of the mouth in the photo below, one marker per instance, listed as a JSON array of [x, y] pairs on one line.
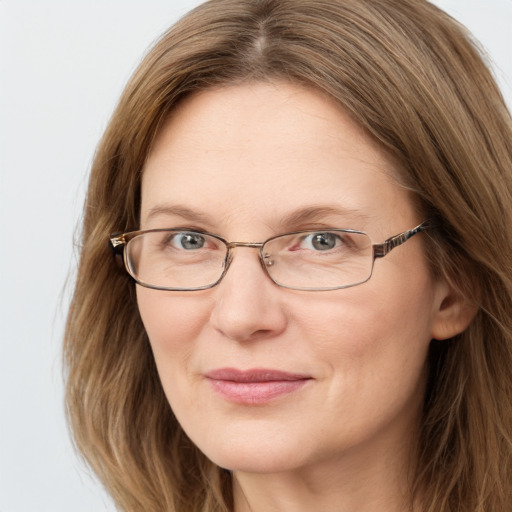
[[255, 386]]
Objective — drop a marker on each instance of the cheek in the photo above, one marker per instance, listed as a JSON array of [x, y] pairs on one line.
[[365, 319], [373, 347], [371, 335], [172, 322]]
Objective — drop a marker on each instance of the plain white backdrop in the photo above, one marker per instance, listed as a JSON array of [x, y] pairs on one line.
[[63, 66]]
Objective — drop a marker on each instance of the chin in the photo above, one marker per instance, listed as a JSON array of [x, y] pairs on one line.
[[256, 462], [269, 456]]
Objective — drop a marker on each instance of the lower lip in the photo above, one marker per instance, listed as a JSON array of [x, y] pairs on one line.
[[253, 393]]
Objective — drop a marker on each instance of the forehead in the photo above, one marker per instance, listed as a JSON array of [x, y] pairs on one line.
[[256, 152]]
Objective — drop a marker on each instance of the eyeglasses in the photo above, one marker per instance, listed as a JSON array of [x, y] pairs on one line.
[[183, 260]]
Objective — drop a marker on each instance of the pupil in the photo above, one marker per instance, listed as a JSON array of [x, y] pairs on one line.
[[192, 241], [324, 241]]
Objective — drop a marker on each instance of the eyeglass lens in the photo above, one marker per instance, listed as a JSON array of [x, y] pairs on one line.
[[307, 260]]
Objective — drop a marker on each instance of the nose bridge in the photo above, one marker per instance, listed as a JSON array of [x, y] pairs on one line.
[[246, 305], [255, 245], [248, 245]]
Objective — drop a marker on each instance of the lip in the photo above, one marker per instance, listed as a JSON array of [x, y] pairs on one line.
[[254, 386]]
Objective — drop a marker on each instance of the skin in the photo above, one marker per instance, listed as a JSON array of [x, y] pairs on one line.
[[243, 158]]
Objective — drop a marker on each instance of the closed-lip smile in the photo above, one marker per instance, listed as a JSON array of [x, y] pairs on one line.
[[254, 386]]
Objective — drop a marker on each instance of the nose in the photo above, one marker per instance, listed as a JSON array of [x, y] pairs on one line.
[[248, 305]]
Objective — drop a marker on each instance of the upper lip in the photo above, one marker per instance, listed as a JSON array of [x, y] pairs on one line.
[[254, 375]]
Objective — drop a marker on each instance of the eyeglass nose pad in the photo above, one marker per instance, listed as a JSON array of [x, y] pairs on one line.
[[225, 264], [267, 260], [227, 261]]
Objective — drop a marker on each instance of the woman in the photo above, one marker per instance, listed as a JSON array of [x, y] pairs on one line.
[[314, 198]]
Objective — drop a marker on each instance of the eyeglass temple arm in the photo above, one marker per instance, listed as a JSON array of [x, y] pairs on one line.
[[380, 250]]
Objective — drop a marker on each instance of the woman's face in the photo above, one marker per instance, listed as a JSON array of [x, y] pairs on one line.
[[332, 375]]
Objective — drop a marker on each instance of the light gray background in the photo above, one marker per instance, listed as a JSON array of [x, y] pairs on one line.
[[62, 67]]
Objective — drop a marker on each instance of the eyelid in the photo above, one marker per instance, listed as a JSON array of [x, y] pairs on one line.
[[337, 235], [317, 226], [190, 229], [306, 230]]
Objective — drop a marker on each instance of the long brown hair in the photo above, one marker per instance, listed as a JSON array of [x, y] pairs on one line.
[[414, 79]]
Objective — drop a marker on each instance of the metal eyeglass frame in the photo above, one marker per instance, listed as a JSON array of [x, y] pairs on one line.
[[119, 241]]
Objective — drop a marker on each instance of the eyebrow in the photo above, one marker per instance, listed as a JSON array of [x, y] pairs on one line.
[[314, 213], [291, 221], [178, 211]]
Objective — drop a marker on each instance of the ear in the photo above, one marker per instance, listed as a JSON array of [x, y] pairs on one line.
[[453, 312]]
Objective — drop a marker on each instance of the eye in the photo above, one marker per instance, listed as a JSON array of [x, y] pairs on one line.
[[321, 241], [187, 241]]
